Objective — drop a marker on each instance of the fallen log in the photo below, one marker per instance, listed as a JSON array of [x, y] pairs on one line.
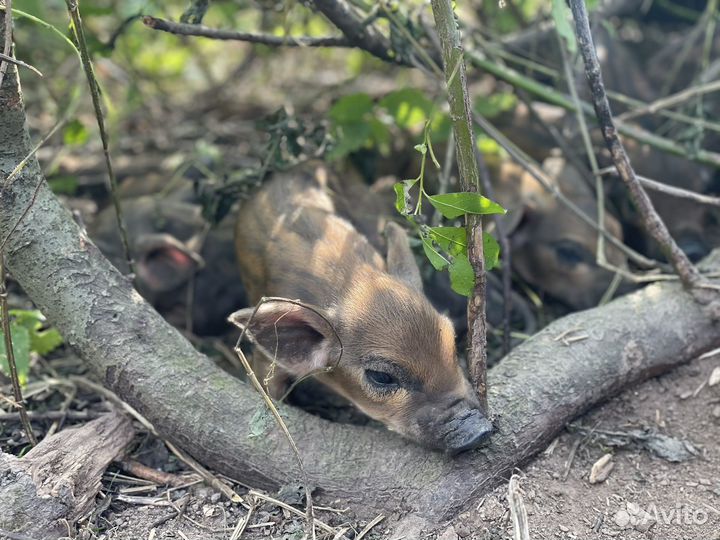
[[536, 390], [55, 483]]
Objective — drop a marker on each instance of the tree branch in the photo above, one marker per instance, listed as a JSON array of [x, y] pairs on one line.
[[654, 225], [183, 29]]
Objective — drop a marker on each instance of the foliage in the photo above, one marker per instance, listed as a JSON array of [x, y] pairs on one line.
[[28, 334], [446, 247]]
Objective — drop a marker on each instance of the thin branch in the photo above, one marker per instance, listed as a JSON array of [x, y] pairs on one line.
[[7, 46], [356, 30], [654, 225], [10, 59], [10, 355], [460, 113], [183, 29], [670, 101], [673, 191], [79, 33]]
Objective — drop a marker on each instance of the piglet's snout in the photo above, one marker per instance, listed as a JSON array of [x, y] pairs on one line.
[[466, 429]]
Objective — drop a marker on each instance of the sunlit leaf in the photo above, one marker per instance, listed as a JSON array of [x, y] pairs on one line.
[[452, 205], [451, 239], [408, 107], [495, 104], [351, 109], [75, 133], [42, 340]]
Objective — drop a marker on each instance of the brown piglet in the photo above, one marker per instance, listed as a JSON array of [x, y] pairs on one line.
[[364, 329]]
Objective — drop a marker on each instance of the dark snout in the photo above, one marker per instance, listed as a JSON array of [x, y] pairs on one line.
[[465, 431]]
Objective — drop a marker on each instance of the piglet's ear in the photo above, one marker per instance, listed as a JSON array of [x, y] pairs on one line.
[[164, 262], [300, 339], [401, 262]]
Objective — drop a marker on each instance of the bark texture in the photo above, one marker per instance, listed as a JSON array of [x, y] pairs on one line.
[[57, 480], [536, 389]]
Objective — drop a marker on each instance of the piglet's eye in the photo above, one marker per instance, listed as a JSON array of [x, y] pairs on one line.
[[381, 380]]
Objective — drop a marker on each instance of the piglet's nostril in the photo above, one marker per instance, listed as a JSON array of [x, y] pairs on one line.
[[466, 431]]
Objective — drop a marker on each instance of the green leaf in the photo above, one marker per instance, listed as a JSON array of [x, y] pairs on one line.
[[451, 239], [436, 259], [452, 205], [408, 107], [64, 185], [422, 148], [402, 195], [260, 423], [349, 138], [351, 109], [20, 337], [491, 251], [462, 277], [75, 133], [42, 341], [563, 26], [495, 104]]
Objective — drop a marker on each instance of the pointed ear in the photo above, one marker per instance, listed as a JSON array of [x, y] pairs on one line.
[[164, 262], [401, 262], [300, 339]]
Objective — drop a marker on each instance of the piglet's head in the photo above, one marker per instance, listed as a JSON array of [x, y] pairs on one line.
[[398, 363]]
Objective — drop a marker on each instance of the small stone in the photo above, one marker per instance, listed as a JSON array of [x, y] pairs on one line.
[[691, 484], [622, 519], [449, 534], [210, 510], [633, 509], [716, 411], [705, 481], [215, 497], [601, 469], [714, 377], [563, 528]]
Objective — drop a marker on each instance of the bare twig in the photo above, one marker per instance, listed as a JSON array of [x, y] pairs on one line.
[[52, 415], [79, 33], [654, 225], [310, 515], [667, 189], [7, 58], [184, 29], [7, 46], [459, 101], [517, 510], [356, 30], [10, 355], [670, 101]]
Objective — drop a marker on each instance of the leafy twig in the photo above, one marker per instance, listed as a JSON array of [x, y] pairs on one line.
[[654, 225], [79, 33], [10, 355], [459, 101]]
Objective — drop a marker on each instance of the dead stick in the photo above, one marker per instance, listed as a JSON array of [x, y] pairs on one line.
[[458, 99], [10, 355], [79, 34], [652, 222]]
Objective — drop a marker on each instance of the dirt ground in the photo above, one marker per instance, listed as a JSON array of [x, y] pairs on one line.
[[644, 496]]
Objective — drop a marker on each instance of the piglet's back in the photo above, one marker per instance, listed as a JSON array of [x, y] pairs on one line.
[[289, 241]]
